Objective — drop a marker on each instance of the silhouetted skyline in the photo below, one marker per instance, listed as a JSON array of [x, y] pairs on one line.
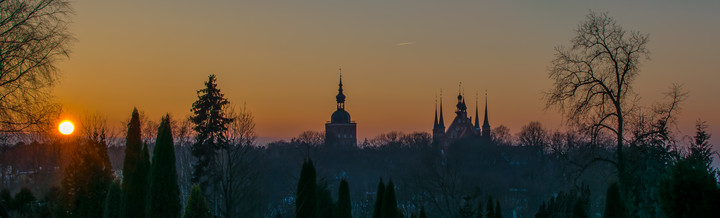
[[281, 58]]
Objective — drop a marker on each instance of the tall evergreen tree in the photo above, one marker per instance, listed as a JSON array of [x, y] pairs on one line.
[[614, 206], [306, 203], [389, 204], [210, 123], [135, 169], [196, 206], [422, 212], [490, 209], [113, 202], [498, 210], [163, 194], [344, 207], [377, 212]]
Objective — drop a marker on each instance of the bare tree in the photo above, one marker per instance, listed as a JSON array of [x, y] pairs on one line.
[[34, 35], [234, 162], [501, 135], [593, 78], [533, 134]]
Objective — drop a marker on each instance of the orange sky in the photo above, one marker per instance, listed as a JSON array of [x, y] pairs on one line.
[[282, 58]]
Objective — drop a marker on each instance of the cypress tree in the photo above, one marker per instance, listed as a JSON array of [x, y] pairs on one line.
[[210, 123], [377, 212], [498, 210], [196, 206], [306, 203], [422, 212], [490, 209], [344, 207], [163, 194], [135, 167], [113, 201], [613, 204], [389, 204]]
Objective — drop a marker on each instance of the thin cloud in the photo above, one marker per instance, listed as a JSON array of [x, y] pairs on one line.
[[405, 43]]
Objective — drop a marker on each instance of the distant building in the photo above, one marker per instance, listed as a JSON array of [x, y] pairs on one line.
[[462, 126], [340, 130]]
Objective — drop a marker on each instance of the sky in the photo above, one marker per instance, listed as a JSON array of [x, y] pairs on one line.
[[281, 59]]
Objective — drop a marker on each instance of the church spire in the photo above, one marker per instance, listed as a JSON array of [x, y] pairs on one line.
[[435, 124], [340, 97], [441, 122], [486, 123], [477, 118]]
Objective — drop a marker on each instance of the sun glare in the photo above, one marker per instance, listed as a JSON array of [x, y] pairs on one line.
[[66, 127]]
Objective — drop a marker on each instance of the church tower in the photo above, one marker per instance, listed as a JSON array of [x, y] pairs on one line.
[[340, 130]]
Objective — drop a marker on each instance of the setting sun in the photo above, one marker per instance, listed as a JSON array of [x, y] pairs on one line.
[[66, 127]]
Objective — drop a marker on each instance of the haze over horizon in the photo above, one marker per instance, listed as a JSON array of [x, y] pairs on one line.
[[281, 58]]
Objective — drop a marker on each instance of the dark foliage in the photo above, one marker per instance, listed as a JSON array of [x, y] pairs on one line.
[[87, 177], [689, 187], [135, 168], [389, 203], [306, 203], [210, 123], [196, 206], [344, 207], [163, 194], [614, 207], [113, 202], [570, 204], [379, 195]]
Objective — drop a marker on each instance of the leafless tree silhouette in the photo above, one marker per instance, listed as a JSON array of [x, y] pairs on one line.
[[34, 35], [594, 77]]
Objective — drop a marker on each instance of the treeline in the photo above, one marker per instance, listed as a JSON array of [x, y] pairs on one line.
[[192, 165]]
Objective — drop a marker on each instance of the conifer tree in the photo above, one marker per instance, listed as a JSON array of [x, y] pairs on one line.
[[344, 207], [377, 212], [210, 123], [614, 206], [135, 167], [422, 212], [490, 209], [163, 194], [389, 203], [113, 202], [498, 210], [306, 203], [196, 206]]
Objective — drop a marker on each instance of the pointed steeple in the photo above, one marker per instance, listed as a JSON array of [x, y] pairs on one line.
[[477, 118], [435, 124], [486, 123], [441, 123], [340, 97]]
